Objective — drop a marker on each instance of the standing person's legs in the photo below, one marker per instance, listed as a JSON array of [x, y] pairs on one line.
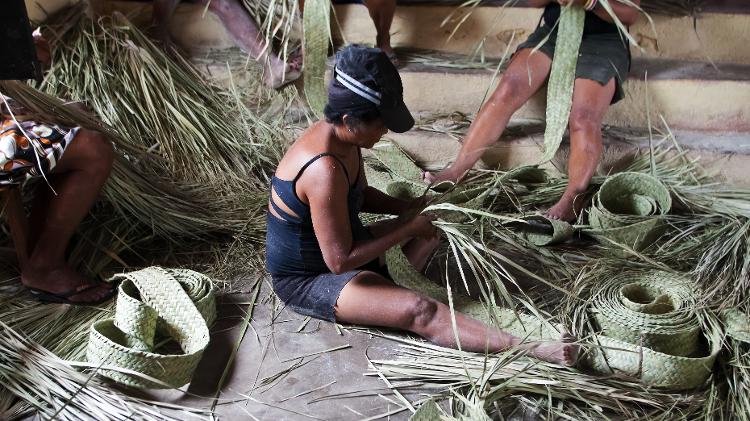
[[78, 178], [245, 33], [524, 76], [590, 102], [381, 12], [370, 299]]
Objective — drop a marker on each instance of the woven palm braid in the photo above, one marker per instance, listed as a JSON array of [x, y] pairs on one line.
[[649, 329], [629, 209], [518, 324], [155, 303], [542, 231], [736, 324]]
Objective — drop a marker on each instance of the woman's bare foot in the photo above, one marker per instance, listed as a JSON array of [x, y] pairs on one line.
[[567, 209], [564, 352], [434, 178], [66, 283], [279, 73]]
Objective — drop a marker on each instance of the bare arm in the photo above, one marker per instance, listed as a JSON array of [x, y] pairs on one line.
[[326, 190]]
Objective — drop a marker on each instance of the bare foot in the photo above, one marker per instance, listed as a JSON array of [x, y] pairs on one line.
[[65, 282], [567, 209], [279, 73], [564, 352], [388, 50], [433, 178]]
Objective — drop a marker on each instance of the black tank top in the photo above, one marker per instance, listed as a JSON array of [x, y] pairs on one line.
[[593, 24]]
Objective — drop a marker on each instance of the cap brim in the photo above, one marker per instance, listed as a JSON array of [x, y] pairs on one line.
[[398, 119]]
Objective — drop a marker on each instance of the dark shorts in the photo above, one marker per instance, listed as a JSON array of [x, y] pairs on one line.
[[316, 295], [600, 58]]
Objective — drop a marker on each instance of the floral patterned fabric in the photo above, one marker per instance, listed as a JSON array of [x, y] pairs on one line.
[[31, 149]]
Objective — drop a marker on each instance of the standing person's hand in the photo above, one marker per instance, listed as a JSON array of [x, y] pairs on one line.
[[421, 226], [43, 51]]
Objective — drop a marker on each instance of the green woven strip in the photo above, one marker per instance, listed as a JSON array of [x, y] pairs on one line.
[[542, 231], [737, 324], [317, 28], [562, 78], [649, 330], [628, 209], [429, 411], [178, 304], [521, 325], [398, 162]]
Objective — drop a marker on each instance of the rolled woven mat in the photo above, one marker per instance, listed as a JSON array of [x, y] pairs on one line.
[[649, 329], [518, 324], [628, 209], [542, 231], [155, 303]]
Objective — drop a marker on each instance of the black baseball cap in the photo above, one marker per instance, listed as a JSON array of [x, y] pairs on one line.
[[364, 78]]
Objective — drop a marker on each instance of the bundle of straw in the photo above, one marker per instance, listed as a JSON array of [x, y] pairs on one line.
[[55, 389]]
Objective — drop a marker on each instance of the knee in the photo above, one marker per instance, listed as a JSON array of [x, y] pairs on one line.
[[99, 151], [584, 119], [218, 6], [421, 313], [509, 92]]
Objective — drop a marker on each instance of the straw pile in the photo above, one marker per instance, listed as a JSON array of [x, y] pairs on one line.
[[642, 314]]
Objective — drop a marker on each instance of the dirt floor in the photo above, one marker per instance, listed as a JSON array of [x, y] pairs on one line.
[[261, 385]]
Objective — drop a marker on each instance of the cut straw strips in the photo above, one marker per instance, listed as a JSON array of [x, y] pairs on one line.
[[55, 389]]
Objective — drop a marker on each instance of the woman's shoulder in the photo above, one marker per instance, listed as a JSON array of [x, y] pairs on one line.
[[309, 147]]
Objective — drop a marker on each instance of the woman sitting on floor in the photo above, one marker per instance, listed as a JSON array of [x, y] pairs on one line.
[[603, 64], [323, 261], [76, 162]]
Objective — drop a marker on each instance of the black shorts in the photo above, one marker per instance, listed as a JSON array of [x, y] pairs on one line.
[[600, 58], [316, 295]]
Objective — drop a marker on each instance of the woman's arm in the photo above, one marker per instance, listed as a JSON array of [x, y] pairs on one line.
[[326, 190], [383, 204]]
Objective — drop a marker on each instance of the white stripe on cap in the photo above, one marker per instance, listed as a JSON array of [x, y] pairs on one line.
[[357, 87]]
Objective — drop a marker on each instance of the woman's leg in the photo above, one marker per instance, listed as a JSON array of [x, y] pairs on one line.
[[78, 178], [590, 102], [381, 12], [245, 33], [526, 73], [370, 299]]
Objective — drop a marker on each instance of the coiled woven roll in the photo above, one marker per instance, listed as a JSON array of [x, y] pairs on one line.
[[542, 231], [155, 303], [649, 329], [628, 209]]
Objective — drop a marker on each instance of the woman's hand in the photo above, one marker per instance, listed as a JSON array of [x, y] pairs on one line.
[[421, 226]]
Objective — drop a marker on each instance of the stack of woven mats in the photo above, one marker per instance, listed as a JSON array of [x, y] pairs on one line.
[[154, 305]]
